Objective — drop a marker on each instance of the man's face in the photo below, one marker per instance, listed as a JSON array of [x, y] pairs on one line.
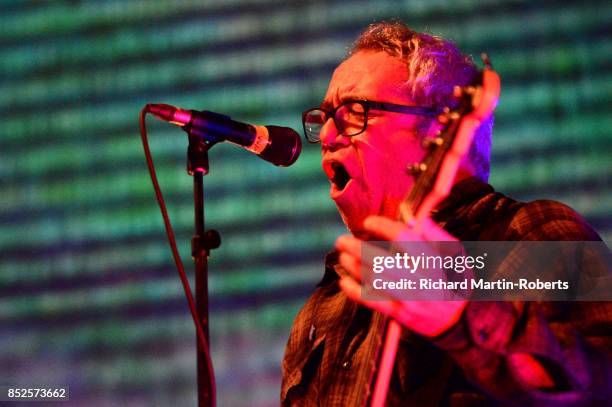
[[374, 162]]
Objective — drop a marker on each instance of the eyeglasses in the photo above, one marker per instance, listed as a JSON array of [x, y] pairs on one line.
[[351, 117]]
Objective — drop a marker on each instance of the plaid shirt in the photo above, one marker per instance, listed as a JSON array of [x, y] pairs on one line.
[[468, 364]]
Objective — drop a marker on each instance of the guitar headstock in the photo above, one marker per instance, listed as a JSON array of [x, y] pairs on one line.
[[434, 177], [486, 95], [477, 100]]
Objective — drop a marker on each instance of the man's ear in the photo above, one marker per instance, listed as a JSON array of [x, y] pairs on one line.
[[430, 129]]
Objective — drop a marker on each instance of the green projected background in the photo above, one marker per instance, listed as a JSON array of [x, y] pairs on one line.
[[89, 297]]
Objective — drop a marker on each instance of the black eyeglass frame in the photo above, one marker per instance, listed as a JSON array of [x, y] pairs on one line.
[[367, 106]]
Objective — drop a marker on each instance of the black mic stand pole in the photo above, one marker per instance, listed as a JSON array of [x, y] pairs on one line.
[[202, 242]]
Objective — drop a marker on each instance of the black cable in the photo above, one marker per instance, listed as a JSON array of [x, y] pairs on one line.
[[177, 257]]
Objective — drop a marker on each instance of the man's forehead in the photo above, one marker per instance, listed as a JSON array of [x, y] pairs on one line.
[[368, 75]]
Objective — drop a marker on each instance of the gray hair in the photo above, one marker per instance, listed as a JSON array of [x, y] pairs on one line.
[[435, 66]]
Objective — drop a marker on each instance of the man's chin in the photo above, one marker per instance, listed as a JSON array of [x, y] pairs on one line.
[[362, 235], [354, 225]]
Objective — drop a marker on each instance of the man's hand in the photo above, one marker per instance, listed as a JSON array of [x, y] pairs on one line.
[[428, 318]]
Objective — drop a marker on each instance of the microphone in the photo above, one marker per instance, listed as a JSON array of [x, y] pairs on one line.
[[279, 145]]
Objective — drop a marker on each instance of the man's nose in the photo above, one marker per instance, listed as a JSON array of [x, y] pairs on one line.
[[331, 138]]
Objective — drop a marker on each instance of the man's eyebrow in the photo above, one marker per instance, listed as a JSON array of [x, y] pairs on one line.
[[327, 105], [355, 96]]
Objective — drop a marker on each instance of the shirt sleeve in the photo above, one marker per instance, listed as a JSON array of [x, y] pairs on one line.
[[569, 341], [574, 350]]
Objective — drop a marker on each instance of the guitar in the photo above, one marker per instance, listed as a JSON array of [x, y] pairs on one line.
[[434, 178]]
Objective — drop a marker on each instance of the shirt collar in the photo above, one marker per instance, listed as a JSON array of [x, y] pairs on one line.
[[464, 193], [330, 275]]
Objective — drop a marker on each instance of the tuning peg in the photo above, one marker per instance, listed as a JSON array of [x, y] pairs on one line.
[[431, 142], [416, 168], [443, 117], [447, 115], [486, 60], [457, 91]]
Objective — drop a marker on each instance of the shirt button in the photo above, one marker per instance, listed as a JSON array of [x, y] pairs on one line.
[[312, 333], [346, 365]]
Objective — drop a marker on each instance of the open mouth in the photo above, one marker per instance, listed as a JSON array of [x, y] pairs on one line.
[[341, 176]]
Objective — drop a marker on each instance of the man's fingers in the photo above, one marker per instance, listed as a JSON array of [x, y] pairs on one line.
[[352, 289], [384, 228], [388, 229], [351, 265], [349, 244], [434, 233], [358, 248]]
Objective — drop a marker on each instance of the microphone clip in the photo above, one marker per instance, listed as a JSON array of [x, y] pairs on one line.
[[197, 154]]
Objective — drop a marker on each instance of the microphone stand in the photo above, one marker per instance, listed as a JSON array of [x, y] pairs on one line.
[[202, 242]]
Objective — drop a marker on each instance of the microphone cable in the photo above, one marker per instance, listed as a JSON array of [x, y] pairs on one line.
[[177, 258]]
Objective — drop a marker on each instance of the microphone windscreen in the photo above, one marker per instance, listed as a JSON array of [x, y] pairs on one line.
[[284, 148]]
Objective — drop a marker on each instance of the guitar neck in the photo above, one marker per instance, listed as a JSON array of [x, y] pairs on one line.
[[434, 178]]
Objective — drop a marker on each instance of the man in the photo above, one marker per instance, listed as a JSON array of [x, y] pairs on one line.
[[379, 106]]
